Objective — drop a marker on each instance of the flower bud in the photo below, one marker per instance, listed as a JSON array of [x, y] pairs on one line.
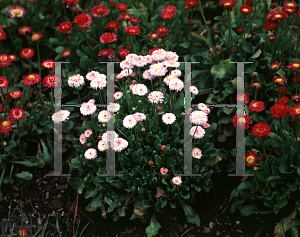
[[292, 124], [143, 129], [150, 162], [264, 158], [163, 148], [217, 48], [254, 74], [234, 83]]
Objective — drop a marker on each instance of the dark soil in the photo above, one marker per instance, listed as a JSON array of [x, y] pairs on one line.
[[49, 195]]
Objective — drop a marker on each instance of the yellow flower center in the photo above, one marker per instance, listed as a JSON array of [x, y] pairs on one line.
[[296, 65], [279, 80], [31, 77], [157, 68], [35, 37], [250, 159], [5, 124], [3, 58], [278, 16], [297, 111], [227, 4], [245, 10], [241, 120], [290, 4], [17, 12]]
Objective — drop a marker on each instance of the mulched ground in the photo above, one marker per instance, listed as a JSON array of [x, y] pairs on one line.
[[48, 195]]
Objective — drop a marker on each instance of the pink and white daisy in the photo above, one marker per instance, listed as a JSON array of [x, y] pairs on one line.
[[129, 121], [90, 153], [98, 83], [113, 107], [76, 81], [120, 144], [119, 76], [168, 118], [176, 84], [159, 55], [163, 170], [171, 63], [109, 135], [126, 64], [131, 57], [16, 11], [206, 125], [147, 75], [167, 79], [139, 89], [88, 133], [194, 90], [139, 61], [176, 73], [207, 110], [127, 72], [139, 117], [60, 116], [197, 153], [148, 59], [171, 56], [200, 132], [104, 116], [156, 97], [92, 75], [176, 180], [87, 108], [198, 117], [202, 106], [82, 138], [158, 69], [102, 145], [118, 95]]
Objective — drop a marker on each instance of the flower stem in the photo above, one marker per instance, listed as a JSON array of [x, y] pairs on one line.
[[78, 96], [30, 66], [296, 81], [229, 28], [167, 134], [296, 140], [282, 141], [19, 139], [207, 28]]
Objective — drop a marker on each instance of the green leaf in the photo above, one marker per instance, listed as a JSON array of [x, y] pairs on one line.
[[281, 72], [157, 142], [256, 54], [69, 124], [59, 49], [54, 41], [249, 209], [247, 47], [209, 132], [157, 160], [228, 110], [191, 216], [28, 163], [24, 175], [154, 226], [46, 155], [246, 185], [185, 45]]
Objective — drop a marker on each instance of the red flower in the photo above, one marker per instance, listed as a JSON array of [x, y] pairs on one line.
[[3, 82], [162, 31], [2, 35], [108, 38], [276, 65], [15, 94], [241, 120], [48, 64], [191, 4], [150, 162], [295, 97], [295, 111], [217, 48], [298, 79], [1, 108], [99, 11], [8, 26], [283, 100], [282, 91], [271, 25], [66, 53], [163, 147], [36, 36], [277, 15], [289, 10], [123, 52], [24, 29], [71, 2], [134, 21], [251, 159], [5, 96], [294, 66], [271, 37], [246, 9], [132, 30], [5, 60], [112, 4], [240, 30], [261, 130], [65, 27], [153, 36], [27, 53], [249, 2], [240, 98], [113, 25], [16, 114], [279, 110], [171, 9], [279, 80], [12, 57], [190, 21], [106, 53], [290, 4], [121, 7], [6, 125], [298, 13], [16, 11], [227, 3], [152, 50], [128, 46], [256, 106], [125, 17], [50, 81], [273, 5], [166, 15], [31, 79], [83, 20]]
